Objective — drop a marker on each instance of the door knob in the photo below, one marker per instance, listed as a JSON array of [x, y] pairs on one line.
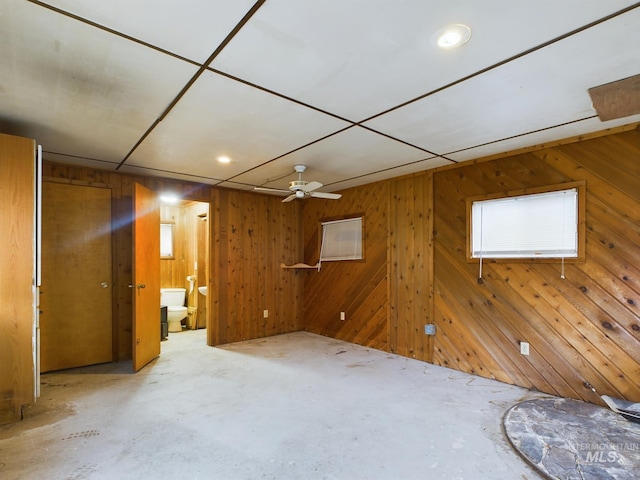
[[104, 285], [140, 285]]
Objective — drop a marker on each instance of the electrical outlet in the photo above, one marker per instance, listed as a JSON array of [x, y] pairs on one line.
[[343, 316], [524, 348], [265, 314]]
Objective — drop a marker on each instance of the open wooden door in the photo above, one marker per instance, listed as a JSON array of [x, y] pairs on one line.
[[146, 276]]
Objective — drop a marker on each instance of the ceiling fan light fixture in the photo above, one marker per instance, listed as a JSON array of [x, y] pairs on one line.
[[453, 36], [299, 194]]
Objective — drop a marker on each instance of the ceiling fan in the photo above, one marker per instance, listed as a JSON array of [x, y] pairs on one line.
[[300, 188]]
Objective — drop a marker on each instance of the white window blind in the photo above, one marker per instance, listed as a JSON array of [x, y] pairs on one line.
[[341, 240], [543, 225]]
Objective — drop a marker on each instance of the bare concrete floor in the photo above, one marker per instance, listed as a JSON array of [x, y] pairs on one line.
[[296, 406]]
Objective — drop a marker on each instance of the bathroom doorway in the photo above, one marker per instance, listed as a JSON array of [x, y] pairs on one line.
[[185, 254]]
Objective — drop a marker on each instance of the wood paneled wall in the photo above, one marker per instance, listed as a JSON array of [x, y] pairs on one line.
[[358, 288], [585, 327], [254, 233], [387, 297], [174, 271], [411, 266]]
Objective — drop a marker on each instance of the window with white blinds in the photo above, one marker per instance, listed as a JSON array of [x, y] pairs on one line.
[[542, 225], [341, 240]]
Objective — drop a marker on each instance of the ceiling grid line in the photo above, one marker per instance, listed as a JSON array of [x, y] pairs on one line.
[[433, 92], [136, 87], [111, 31], [195, 77], [506, 61]]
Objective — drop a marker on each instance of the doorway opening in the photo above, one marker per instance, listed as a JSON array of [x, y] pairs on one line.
[[184, 264]]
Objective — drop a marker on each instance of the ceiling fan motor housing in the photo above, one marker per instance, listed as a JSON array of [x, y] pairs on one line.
[[296, 185]]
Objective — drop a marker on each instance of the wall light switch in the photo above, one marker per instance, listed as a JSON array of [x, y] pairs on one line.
[[343, 316], [265, 314], [524, 348]]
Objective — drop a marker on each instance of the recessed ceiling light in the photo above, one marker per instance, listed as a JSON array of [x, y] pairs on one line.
[[453, 36], [224, 159]]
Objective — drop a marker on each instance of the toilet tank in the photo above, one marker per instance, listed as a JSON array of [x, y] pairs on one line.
[[172, 297]]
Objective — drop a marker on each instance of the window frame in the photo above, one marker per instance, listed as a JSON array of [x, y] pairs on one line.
[[580, 187], [172, 239], [337, 220]]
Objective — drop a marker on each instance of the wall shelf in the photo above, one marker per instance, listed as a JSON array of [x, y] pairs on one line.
[[301, 265]]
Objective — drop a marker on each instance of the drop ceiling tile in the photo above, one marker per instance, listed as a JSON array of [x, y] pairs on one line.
[[359, 58], [351, 153], [77, 90], [522, 96], [235, 186], [540, 138], [78, 161], [219, 116], [158, 172], [393, 172], [189, 28]]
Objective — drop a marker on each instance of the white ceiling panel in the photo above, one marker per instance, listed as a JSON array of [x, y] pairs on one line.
[[99, 83], [79, 161], [235, 186], [219, 116], [156, 172], [76, 89], [190, 28], [334, 157], [359, 58], [397, 171], [540, 138], [525, 95]]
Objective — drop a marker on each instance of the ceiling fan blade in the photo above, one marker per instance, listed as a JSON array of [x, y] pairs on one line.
[[311, 186], [289, 198], [271, 190], [331, 196]]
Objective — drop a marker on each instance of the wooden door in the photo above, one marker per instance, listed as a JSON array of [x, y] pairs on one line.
[[17, 274], [76, 292], [146, 276]]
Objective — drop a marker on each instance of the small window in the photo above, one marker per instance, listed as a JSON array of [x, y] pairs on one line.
[[341, 240], [166, 240], [534, 225]]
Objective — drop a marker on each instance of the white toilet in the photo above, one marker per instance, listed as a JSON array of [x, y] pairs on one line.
[[173, 299]]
